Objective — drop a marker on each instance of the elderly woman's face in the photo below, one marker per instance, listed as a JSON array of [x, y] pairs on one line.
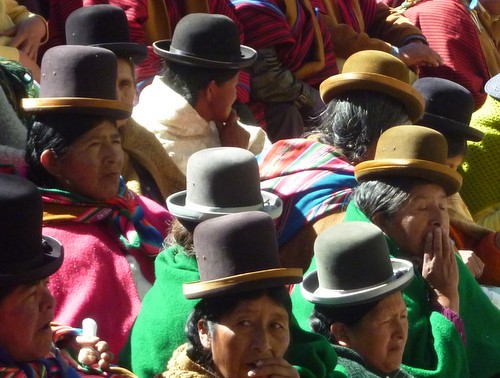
[[381, 335], [25, 316], [425, 210], [256, 330], [93, 164]]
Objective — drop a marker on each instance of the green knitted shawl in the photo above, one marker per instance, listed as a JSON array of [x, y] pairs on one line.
[[159, 328], [481, 168]]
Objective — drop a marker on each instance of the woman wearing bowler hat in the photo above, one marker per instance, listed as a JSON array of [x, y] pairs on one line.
[[358, 305], [28, 343], [454, 329], [241, 325], [74, 155], [189, 106]]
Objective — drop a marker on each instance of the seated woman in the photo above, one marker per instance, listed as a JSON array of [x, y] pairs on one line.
[[359, 306], [241, 325], [221, 181], [111, 235], [404, 191], [27, 261]]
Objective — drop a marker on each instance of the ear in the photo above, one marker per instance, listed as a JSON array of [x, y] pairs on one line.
[[380, 221], [341, 333], [50, 162], [204, 334], [210, 92]]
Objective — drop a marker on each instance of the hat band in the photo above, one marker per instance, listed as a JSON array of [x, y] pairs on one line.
[[175, 51], [196, 288], [229, 210]]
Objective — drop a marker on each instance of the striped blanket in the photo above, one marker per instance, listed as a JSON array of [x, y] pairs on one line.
[[310, 177]]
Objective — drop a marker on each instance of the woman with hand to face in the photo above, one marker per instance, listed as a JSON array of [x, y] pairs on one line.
[[240, 327]]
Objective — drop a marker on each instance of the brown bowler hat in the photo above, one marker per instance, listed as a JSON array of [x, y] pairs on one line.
[[376, 71], [238, 253], [78, 80], [411, 151]]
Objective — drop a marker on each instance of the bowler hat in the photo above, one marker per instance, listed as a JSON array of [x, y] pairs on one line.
[[492, 87], [26, 255], [238, 253], [206, 40], [78, 80], [222, 180], [106, 26], [411, 151], [354, 266], [448, 107], [376, 71]]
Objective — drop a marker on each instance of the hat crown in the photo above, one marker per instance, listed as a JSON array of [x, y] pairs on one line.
[[97, 24], [236, 244], [208, 36], [223, 178], [377, 62], [342, 255], [445, 98], [412, 143], [78, 71]]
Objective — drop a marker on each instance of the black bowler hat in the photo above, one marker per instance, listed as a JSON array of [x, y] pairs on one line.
[[238, 253], [354, 266], [25, 255], [106, 26], [448, 107], [78, 80], [206, 40]]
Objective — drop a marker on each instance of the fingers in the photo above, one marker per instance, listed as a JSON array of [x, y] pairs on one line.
[[273, 367]]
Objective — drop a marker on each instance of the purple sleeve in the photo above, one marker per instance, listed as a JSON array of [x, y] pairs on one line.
[[453, 317]]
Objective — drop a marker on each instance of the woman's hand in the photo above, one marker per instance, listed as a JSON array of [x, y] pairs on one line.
[[273, 367], [231, 134], [27, 35], [94, 352], [440, 268], [472, 261]]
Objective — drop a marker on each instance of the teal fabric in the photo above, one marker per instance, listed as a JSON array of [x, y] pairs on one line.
[[434, 347], [159, 328]]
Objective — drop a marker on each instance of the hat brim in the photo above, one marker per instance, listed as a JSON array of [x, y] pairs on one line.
[[351, 81], [52, 261], [135, 51], [176, 204], [80, 105], [247, 58], [492, 87], [402, 276], [242, 282], [451, 127], [449, 179]]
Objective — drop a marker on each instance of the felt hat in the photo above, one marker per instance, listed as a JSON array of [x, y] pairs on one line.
[[106, 26], [411, 151], [78, 80], [354, 266], [448, 107], [206, 40], [376, 71], [219, 181], [238, 253], [25, 255], [492, 87]]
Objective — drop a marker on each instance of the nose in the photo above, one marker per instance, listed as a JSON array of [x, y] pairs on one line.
[[261, 340], [114, 153], [47, 301], [437, 217]]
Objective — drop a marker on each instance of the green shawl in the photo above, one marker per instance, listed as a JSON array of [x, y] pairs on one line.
[[434, 347], [159, 328]]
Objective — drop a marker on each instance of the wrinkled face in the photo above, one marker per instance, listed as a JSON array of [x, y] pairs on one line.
[[255, 330], [425, 209], [125, 84], [223, 98], [93, 164], [25, 316], [380, 336]]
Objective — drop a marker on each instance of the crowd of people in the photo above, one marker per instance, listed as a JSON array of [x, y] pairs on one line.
[[242, 188]]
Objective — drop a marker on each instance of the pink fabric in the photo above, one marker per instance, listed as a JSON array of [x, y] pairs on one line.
[[95, 279]]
